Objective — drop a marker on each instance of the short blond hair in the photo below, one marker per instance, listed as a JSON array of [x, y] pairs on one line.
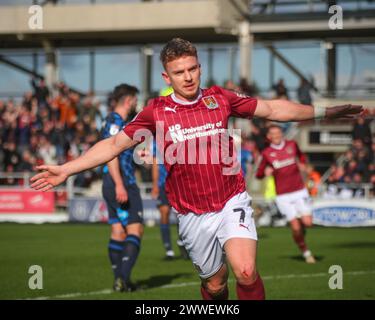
[[177, 48]]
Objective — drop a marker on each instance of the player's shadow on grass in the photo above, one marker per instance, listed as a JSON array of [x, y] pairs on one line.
[[354, 245], [300, 258], [161, 280]]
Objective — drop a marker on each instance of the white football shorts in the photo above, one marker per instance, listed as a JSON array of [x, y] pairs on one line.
[[294, 205], [204, 235]]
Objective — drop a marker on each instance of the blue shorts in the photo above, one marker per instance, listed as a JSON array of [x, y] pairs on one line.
[[162, 199], [125, 213]]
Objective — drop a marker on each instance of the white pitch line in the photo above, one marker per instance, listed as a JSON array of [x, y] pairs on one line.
[[195, 283]]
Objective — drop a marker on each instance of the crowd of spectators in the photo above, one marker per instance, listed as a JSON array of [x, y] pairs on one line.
[[358, 163], [45, 128]]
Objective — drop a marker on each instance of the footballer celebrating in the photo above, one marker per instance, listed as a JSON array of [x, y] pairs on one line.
[[282, 159], [213, 207]]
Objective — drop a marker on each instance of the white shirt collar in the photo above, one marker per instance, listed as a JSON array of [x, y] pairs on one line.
[[278, 146], [183, 102]]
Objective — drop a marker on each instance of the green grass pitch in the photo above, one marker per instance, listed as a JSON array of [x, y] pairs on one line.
[[75, 264]]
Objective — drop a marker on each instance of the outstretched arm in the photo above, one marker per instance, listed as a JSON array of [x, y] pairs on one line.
[[102, 152], [284, 110]]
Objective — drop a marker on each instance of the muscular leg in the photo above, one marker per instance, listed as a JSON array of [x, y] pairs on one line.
[[298, 234], [116, 247], [307, 221], [216, 287], [241, 255]]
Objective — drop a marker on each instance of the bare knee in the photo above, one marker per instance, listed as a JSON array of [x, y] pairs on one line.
[[214, 287], [246, 274], [307, 223], [135, 229], [118, 232], [217, 284], [295, 226]]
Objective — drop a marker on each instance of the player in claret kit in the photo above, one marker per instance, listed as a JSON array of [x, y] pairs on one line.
[[204, 185], [282, 159]]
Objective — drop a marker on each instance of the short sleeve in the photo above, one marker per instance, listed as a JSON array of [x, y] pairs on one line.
[[242, 106], [112, 126], [142, 125]]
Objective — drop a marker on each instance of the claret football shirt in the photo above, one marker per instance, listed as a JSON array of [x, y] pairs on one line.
[[283, 160], [203, 172]]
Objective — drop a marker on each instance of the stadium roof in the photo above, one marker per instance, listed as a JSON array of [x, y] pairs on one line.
[[156, 22]]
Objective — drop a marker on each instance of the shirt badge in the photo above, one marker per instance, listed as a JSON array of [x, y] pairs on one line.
[[114, 129], [210, 102]]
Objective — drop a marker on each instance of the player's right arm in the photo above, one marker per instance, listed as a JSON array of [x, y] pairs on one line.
[[102, 152], [260, 174]]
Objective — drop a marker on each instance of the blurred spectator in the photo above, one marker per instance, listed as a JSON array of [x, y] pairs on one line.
[[258, 135], [248, 89], [41, 91], [303, 92], [280, 90], [23, 125], [359, 147], [313, 180], [11, 156], [231, 86], [362, 131], [28, 162], [47, 151]]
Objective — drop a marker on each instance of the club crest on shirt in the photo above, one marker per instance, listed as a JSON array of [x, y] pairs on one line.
[[289, 150], [114, 129], [210, 102], [273, 154]]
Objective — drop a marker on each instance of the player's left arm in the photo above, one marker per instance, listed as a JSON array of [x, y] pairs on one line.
[[300, 155], [285, 110]]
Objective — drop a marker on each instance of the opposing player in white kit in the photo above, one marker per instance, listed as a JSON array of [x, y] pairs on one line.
[[209, 196], [293, 200]]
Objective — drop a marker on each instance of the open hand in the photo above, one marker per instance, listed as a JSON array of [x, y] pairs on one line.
[[347, 111], [155, 192], [51, 176], [121, 194]]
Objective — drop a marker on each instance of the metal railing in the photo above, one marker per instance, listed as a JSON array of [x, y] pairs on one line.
[[22, 183], [145, 187]]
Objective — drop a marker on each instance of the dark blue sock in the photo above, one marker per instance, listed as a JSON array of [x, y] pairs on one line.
[[166, 236], [129, 255], [115, 249]]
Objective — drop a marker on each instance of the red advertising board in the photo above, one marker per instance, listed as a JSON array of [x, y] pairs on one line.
[[20, 201]]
